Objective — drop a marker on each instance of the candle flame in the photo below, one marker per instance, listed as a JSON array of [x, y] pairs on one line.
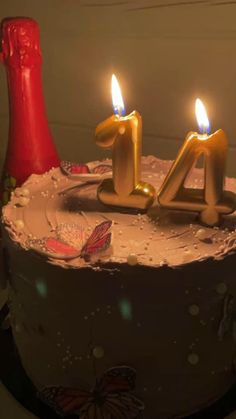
[[117, 100], [202, 118]]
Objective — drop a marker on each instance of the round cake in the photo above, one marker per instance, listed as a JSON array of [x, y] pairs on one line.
[[115, 313]]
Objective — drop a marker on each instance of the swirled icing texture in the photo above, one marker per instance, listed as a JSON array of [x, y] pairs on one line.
[[158, 237]]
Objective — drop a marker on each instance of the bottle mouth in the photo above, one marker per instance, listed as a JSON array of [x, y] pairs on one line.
[[20, 42]]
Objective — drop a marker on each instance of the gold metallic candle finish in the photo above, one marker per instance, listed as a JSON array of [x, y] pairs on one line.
[[211, 201], [124, 136]]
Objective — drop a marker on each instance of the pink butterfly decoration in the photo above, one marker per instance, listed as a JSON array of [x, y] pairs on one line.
[[227, 322], [111, 398], [84, 172], [59, 248]]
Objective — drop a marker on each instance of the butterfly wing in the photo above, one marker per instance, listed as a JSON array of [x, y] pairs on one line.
[[83, 172], [124, 406], [73, 169], [118, 383], [227, 317], [63, 400], [102, 168], [99, 240], [54, 248], [71, 233], [118, 379]]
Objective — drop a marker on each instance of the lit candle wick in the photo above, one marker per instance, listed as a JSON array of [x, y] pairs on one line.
[[119, 110]]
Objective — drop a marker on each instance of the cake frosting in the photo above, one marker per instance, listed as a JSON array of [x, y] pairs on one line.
[[158, 299]]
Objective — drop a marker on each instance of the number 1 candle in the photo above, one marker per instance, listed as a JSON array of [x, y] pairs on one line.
[[123, 134], [211, 201]]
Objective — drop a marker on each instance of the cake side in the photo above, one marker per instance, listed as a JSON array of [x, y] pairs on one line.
[[170, 317]]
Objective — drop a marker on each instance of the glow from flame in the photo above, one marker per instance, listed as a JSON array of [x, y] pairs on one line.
[[117, 100], [202, 118]]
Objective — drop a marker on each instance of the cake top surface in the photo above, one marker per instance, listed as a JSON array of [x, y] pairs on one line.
[[53, 207]]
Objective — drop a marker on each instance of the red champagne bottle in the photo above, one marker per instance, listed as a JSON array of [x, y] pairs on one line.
[[30, 143]]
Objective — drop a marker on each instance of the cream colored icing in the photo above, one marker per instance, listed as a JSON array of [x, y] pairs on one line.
[[157, 237]]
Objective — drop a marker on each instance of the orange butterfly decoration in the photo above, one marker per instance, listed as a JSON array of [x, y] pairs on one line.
[[111, 398]]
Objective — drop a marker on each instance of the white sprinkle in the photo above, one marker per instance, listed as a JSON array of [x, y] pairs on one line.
[[163, 262], [193, 310], [19, 224], [98, 352], [25, 192], [132, 259], [221, 288], [193, 359]]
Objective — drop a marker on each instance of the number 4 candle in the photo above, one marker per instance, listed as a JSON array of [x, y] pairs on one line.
[[123, 134], [211, 201]]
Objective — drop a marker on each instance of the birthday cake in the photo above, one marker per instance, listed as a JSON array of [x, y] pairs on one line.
[[115, 313]]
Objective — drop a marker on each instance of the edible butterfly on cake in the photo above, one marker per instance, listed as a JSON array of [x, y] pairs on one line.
[[71, 242], [90, 172], [227, 325], [111, 398]]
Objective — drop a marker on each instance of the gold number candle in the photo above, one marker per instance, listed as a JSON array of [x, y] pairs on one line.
[[211, 201], [123, 134]]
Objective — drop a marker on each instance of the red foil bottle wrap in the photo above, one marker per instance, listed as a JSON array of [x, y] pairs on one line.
[[30, 143]]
